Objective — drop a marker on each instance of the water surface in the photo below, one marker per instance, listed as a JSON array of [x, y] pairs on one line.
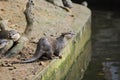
[[105, 63]]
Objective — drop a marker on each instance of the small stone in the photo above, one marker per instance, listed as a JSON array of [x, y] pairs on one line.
[[60, 57], [18, 6], [14, 79], [26, 78], [2, 10], [72, 15], [3, 64], [41, 63], [10, 68], [9, 65], [14, 67]]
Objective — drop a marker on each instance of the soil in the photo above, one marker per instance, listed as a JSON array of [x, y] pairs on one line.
[[49, 20]]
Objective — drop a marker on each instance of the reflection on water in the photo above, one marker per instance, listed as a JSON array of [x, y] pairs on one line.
[[111, 70], [105, 63]]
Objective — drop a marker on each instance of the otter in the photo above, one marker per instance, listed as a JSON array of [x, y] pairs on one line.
[[49, 47], [7, 39], [9, 34], [44, 48]]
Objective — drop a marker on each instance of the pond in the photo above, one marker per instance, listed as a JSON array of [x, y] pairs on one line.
[[105, 63]]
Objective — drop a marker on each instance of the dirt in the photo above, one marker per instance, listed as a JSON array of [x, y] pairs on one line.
[[13, 11], [49, 20]]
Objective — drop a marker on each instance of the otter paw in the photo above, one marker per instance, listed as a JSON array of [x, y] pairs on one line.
[[60, 57]]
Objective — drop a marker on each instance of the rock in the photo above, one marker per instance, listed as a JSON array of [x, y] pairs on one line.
[[56, 2], [2, 10], [14, 79], [60, 57], [41, 63], [67, 3]]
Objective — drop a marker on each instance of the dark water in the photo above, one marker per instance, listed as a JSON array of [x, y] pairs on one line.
[[105, 63]]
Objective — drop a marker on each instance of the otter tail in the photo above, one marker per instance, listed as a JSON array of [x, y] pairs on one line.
[[30, 60], [36, 56]]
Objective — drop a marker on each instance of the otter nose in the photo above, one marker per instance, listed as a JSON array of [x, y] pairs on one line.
[[10, 36]]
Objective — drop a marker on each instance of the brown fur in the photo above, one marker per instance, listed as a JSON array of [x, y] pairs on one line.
[[49, 47]]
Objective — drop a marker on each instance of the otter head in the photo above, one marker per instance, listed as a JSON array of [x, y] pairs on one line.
[[3, 43], [68, 35], [14, 35]]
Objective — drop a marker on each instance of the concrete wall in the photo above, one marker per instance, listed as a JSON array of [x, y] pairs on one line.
[[75, 51], [79, 66]]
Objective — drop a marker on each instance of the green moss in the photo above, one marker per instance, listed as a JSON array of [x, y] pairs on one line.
[[59, 69]]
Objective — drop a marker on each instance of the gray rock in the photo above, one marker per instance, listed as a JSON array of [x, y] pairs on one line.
[[56, 2]]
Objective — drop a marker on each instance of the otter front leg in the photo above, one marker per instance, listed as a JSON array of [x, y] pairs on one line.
[[57, 53], [6, 48], [49, 54]]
